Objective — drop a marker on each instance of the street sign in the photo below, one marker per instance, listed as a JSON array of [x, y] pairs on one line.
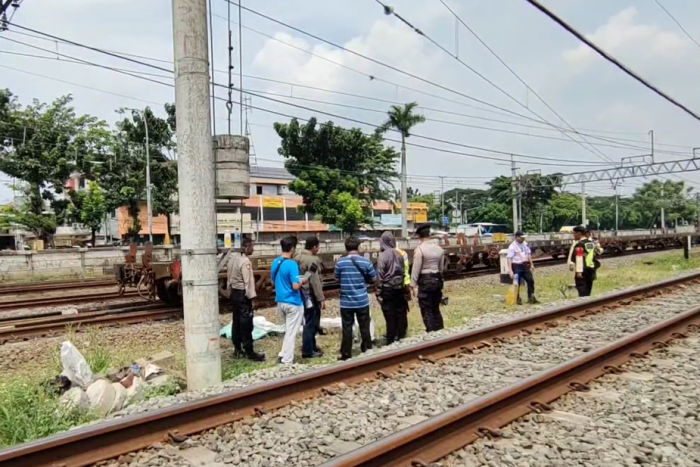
[[445, 220], [456, 214]]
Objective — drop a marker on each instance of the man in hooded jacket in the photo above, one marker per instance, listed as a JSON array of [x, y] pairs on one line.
[[391, 290]]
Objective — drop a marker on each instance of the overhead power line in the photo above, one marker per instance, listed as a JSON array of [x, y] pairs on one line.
[[383, 64], [431, 148], [619, 143], [388, 10], [371, 98], [550, 127], [517, 76], [526, 156], [687, 34], [610, 58]]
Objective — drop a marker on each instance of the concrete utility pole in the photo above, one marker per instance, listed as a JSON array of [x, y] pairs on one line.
[[583, 205], [442, 201], [197, 182], [663, 212], [149, 200], [651, 135], [514, 193], [617, 210]]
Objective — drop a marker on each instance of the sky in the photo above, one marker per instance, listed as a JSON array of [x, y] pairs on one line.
[[469, 121]]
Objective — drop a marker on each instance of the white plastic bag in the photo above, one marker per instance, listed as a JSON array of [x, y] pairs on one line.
[[75, 367]]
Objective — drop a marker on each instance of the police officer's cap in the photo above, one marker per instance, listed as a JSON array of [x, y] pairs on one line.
[[423, 229], [580, 229]]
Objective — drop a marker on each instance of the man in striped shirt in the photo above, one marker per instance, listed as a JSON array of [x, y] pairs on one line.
[[354, 272]]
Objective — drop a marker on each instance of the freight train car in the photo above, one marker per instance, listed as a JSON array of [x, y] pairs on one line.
[[163, 279]]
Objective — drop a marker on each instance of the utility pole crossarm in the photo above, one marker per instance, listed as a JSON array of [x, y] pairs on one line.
[[645, 170]]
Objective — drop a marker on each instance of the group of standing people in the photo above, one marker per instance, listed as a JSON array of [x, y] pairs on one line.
[[582, 260], [300, 299]]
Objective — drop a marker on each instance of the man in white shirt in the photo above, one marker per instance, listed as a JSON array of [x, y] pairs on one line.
[[520, 265]]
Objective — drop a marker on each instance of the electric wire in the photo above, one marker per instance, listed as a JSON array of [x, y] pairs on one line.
[[470, 155], [391, 11], [514, 73], [680, 26], [316, 88], [327, 113], [610, 58]]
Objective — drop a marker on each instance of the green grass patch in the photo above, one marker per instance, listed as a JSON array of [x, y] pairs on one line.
[[29, 411]]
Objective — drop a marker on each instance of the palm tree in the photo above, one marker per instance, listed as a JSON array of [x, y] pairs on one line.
[[402, 119]]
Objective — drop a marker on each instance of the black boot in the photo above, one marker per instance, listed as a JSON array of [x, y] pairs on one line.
[[254, 356], [238, 353], [533, 300]]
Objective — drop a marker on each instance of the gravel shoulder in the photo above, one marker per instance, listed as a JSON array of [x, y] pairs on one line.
[[647, 416], [308, 433]]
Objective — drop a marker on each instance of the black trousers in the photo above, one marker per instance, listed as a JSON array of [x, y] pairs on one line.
[[242, 322], [525, 274], [347, 316], [429, 298], [312, 320], [584, 284], [395, 310]]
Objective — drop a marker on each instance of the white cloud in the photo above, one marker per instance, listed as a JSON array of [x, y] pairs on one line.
[[624, 36]]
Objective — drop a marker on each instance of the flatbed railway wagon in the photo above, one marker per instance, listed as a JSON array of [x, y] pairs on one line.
[[163, 279]]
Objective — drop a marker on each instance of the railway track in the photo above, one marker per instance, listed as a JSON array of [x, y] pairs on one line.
[[55, 301], [21, 329], [33, 287], [424, 442]]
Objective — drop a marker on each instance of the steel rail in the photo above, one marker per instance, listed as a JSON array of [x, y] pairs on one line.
[[26, 331], [441, 435], [51, 301], [31, 287], [89, 445]]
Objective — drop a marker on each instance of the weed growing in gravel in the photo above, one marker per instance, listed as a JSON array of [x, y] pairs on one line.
[[28, 411], [170, 388]]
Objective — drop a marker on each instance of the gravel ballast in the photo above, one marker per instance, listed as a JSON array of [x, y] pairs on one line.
[[647, 416], [310, 432]]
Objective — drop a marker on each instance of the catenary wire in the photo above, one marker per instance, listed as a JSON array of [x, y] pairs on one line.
[[470, 155], [680, 26], [610, 58], [391, 11], [618, 142], [549, 128], [325, 113]]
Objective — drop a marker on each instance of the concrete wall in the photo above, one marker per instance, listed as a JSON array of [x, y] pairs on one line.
[[21, 266]]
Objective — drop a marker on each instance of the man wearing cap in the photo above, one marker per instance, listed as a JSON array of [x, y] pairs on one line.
[[520, 264], [426, 277]]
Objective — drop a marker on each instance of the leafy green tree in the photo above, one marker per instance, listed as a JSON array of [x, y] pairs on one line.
[[123, 170], [47, 142], [331, 162], [93, 209], [403, 118], [352, 215]]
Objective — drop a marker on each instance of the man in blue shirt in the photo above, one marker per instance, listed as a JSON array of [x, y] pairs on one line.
[[286, 277], [354, 272]]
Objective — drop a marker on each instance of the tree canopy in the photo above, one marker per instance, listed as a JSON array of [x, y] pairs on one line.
[[337, 170]]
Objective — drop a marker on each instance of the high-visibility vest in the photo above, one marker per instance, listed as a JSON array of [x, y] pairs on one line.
[[407, 277]]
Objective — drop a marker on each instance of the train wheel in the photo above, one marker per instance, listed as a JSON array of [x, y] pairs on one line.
[[166, 290]]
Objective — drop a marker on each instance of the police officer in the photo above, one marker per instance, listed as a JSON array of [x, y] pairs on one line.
[[584, 257], [242, 283], [427, 278]]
